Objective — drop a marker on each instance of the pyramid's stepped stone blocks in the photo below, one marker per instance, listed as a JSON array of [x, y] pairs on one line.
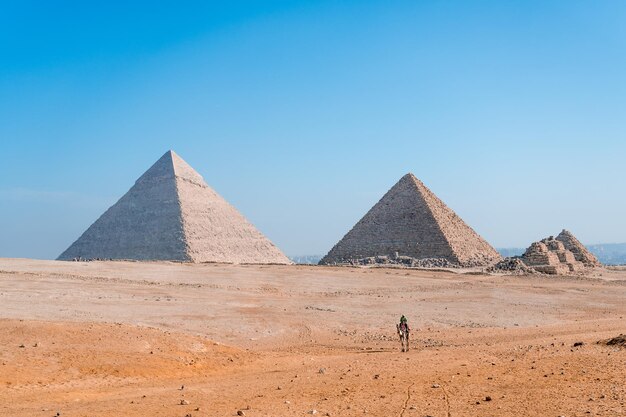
[[579, 251], [172, 214], [411, 221], [551, 257], [554, 245]]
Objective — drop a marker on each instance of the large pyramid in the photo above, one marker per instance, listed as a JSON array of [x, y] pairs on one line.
[[172, 214], [411, 221]]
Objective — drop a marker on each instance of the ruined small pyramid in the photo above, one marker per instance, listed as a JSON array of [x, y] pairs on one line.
[[172, 214], [581, 253], [411, 221], [550, 256]]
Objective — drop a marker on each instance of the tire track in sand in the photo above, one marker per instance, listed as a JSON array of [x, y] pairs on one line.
[[406, 401]]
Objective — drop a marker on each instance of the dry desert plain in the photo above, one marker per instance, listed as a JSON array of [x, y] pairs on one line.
[[169, 339]]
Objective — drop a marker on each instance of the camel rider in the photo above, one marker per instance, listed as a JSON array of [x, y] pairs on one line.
[[404, 324], [403, 332]]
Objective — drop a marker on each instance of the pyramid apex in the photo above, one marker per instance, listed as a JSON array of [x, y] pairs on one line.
[[411, 177], [566, 232], [171, 166], [170, 153]]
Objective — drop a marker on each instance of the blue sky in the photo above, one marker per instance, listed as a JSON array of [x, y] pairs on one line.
[[303, 113]]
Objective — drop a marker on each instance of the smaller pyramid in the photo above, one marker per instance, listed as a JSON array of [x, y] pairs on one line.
[[172, 214], [581, 253], [410, 221], [550, 256]]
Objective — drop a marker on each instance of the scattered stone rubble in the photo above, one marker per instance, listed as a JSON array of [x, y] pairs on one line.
[[409, 262], [512, 266], [79, 259], [404, 261]]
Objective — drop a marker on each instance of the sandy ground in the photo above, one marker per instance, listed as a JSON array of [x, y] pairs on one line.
[[165, 339]]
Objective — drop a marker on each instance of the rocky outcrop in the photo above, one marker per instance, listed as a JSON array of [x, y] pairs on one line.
[[172, 214], [410, 221]]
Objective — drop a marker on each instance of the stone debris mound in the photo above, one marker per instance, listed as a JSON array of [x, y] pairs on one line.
[[410, 221], [401, 261], [172, 214], [512, 266]]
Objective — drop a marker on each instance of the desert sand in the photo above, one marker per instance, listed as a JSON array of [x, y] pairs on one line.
[[171, 339]]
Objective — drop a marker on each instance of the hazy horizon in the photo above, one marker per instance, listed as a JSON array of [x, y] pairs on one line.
[[303, 114]]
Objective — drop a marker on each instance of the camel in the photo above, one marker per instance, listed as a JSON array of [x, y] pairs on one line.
[[403, 333]]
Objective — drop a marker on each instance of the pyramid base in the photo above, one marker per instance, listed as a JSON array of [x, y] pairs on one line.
[[410, 262]]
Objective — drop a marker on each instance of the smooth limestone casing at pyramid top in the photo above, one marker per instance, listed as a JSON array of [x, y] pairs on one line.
[[172, 214], [411, 221]]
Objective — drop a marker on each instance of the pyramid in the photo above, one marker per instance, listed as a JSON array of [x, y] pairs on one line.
[[411, 221], [172, 214], [581, 253], [550, 256]]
